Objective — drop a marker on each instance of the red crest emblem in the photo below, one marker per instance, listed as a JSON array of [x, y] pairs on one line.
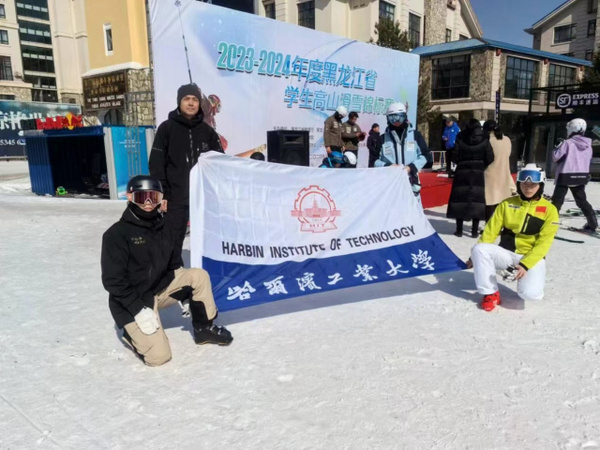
[[540, 209], [315, 209]]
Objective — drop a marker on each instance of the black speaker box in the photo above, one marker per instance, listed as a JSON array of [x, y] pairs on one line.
[[288, 147]]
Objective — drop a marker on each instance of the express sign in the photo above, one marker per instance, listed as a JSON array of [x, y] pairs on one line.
[[572, 99]]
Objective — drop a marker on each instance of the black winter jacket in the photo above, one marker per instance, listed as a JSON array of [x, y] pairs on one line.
[[473, 154], [372, 145], [177, 146], [137, 262]]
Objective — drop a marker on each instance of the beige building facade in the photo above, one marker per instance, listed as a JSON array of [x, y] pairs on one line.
[[45, 51], [571, 30], [427, 21], [118, 84], [12, 85]]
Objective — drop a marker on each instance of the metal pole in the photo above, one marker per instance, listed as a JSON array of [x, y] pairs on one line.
[[187, 59]]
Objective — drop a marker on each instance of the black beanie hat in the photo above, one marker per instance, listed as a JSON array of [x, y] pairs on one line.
[[188, 89]]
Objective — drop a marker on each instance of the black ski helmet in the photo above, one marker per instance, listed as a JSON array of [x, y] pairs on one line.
[[144, 183]]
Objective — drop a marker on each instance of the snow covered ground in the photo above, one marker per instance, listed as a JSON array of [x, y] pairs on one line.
[[411, 364]]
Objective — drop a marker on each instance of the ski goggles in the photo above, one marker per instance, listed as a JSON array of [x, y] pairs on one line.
[[142, 197], [395, 118], [533, 176]]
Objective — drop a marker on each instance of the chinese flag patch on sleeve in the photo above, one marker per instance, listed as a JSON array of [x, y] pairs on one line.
[[540, 209]]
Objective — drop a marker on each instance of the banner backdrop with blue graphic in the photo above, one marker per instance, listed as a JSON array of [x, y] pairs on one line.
[[267, 232], [258, 74]]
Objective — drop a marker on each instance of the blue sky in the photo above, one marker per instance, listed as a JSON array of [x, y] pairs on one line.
[[505, 20]]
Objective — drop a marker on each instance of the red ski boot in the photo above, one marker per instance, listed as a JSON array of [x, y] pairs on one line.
[[490, 301]]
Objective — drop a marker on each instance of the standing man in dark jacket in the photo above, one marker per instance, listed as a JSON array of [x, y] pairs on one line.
[[178, 143], [372, 142], [332, 131], [352, 135], [141, 270]]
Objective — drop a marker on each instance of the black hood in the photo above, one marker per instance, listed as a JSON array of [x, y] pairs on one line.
[[178, 117], [474, 137]]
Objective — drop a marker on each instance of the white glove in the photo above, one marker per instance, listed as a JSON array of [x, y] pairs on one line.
[[147, 321], [185, 308], [509, 273]]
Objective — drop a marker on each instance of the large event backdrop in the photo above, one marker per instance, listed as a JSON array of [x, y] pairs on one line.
[[258, 74]]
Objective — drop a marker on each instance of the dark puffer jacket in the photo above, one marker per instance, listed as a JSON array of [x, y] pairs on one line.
[[177, 146], [137, 262], [474, 153]]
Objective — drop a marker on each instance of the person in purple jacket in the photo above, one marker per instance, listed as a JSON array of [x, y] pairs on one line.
[[573, 158]]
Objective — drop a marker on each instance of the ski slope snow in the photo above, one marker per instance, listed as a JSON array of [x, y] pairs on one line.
[[411, 364]]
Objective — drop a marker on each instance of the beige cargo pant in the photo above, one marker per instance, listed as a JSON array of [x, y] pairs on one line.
[[154, 349]]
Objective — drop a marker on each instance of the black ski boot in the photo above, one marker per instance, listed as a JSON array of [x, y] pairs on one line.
[[212, 334], [205, 332]]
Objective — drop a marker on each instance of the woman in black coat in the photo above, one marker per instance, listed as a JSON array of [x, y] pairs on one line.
[[467, 199]]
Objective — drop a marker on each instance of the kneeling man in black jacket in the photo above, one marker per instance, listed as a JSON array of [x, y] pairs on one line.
[[141, 270]]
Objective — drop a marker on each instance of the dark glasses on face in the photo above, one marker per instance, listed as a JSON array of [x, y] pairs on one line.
[[142, 197]]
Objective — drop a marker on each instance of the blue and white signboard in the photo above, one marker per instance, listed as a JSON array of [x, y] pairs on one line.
[[11, 114]]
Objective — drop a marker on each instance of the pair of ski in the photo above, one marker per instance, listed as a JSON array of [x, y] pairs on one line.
[[595, 234], [576, 212]]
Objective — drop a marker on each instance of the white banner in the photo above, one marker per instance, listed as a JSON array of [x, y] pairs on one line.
[[258, 74], [268, 231]]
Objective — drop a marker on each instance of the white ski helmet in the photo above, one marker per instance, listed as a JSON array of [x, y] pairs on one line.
[[350, 158], [576, 126], [396, 108], [532, 173], [342, 111]]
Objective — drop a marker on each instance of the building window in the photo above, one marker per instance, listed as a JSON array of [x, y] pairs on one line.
[[44, 88], [462, 37], [41, 95], [450, 77], [592, 6], [2, 14], [521, 77], [589, 55], [7, 97], [3, 37], [37, 59], [306, 14], [591, 28], [414, 30], [108, 39], [566, 33], [448, 35], [386, 10], [34, 32], [5, 68], [38, 9], [270, 10], [561, 75]]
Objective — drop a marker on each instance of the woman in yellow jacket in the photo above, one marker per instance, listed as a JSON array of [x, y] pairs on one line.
[[526, 225]]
